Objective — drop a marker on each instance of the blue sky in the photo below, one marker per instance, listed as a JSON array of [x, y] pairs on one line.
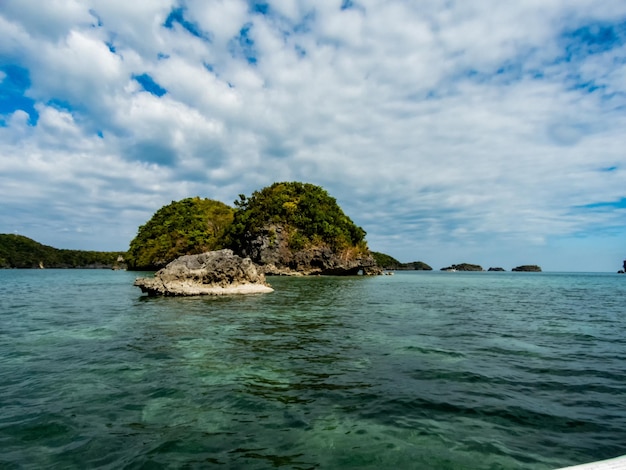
[[482, 132]]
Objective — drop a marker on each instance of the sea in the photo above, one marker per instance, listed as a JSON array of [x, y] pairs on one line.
[[419, 370]]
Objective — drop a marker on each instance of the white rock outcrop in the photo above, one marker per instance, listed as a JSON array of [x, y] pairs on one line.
[[212, 273]]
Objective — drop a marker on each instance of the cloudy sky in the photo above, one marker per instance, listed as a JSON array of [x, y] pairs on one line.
[[452, 131]]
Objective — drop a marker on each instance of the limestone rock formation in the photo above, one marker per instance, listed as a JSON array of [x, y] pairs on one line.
[[270, 250], [211, 273]]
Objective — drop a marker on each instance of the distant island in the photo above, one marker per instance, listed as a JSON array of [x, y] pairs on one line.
[[463, 267], [390, 263], [475, 267], [18, 251], [529, 268]]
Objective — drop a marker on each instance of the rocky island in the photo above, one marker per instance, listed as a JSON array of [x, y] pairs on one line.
[[463, 267], [212, 273], [201, 246]]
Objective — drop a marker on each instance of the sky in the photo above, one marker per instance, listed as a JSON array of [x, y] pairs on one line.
[[451, 131]]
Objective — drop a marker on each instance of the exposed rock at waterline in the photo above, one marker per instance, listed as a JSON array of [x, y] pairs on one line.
[[211, 273], [270, 250]]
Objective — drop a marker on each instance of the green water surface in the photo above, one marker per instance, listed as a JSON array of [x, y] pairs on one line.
[[417, 370]]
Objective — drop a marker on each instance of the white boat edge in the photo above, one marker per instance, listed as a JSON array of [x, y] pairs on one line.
[[618, 463]]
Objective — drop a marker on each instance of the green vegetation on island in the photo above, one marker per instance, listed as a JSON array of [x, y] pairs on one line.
[[307, 212], [389, 262], [185, 227], [385, 261], [18, 251]]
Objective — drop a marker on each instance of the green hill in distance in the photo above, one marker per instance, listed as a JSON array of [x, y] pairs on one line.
[[18, 251], [389, 262]]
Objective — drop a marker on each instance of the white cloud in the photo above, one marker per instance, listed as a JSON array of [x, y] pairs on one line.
[[223, 19], [135, 25], [79, 68], [50, 19], [446, 130]]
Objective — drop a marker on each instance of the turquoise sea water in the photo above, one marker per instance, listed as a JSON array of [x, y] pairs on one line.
[[417, 370]]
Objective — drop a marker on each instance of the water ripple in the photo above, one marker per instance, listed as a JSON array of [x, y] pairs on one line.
[[417, 370]]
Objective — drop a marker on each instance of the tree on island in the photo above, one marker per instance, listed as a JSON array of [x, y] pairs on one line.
[[189, 226], [307, 212]]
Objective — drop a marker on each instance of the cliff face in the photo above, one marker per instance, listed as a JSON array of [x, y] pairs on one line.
[[269, 249], [298, 228]]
